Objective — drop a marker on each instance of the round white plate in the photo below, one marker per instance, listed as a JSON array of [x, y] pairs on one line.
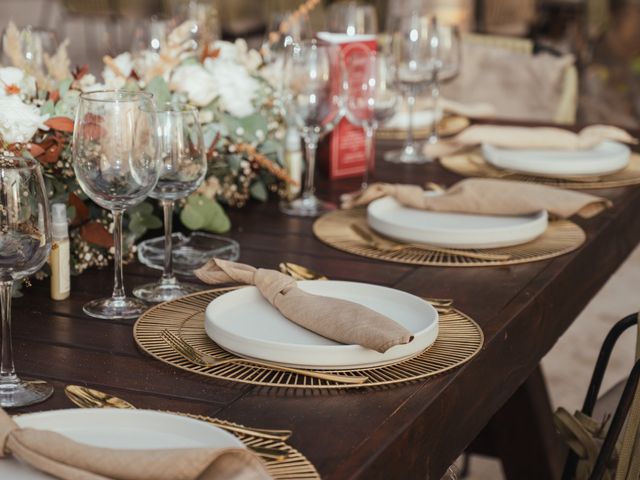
[[453, 230], [606, 158], [244, 323], [122, 429]]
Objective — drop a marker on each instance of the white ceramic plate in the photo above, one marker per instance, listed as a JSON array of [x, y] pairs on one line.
[[606, 158], [124, 429], [244, 323], [453, 230]]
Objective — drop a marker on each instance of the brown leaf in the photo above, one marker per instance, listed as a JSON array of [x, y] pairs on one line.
[[62, 124], [51, 148], [82, 211], [96, 233], [208, 52], [54, 95], [80, 71]]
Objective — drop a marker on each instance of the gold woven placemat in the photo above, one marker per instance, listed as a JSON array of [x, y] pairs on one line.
[[459, 339], [295, 465], [472, 164], [449, 125], [334, 229]]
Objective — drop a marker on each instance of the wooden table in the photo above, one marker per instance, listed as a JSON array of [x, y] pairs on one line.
[[408, 431]]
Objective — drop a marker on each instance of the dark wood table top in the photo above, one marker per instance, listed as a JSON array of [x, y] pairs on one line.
[[406, 431]]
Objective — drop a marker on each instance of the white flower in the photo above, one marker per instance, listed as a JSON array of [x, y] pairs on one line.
[[18, 121], [239, 53], [235, 86], [15, 81], [199, 85], [115, 80], [88, 83]]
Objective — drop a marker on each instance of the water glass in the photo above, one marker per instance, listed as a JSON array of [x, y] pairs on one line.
[[25, 243], [183, 168], [352, 18], [115, 146]]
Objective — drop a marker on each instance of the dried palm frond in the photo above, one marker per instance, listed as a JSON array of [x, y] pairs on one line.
[[264, 162], [13, 47], [59, 64]]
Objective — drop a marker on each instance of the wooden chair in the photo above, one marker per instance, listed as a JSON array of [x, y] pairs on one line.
[[620, 400]]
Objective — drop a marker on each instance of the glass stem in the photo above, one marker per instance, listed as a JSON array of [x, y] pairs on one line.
[[7, 369], [368, 154], [311, 147], [411, 102], [118, 281], [167, 274], [435, 95]]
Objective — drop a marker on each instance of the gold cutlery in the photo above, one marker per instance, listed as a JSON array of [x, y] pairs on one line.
[[205, 360], [443, 305], [379, 243], [85, 397]]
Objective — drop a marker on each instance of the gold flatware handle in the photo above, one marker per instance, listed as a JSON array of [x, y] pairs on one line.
[[379, 243], [85, 397], [191, 354], [299, 272]]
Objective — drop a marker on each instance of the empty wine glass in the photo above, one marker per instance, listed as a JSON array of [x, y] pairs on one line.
[[184, 165], [352, 18], [444, 60], [115, 146], [371, 99], [412, 50], [314, 81], [25, 243]]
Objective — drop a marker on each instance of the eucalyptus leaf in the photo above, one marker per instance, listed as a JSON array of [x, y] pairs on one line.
[[259, 191], [48, 108], [159, 89], [63, 86], [203, 213], [192, 218]]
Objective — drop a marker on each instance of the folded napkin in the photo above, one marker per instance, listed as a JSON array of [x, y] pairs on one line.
[[423, 113], [63, 458], [340, 320], [485, 196], [532, 138]]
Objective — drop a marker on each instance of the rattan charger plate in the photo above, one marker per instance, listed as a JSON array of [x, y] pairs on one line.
[[459, 339], [295, 465], [334, 229], [472, 164]]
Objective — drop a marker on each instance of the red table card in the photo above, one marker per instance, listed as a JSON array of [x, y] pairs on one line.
[[346, 143]]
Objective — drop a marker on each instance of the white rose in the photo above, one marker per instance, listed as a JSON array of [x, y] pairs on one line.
[[18, 121], [196, 82], [88, 83], [236, 87], [124, 64], [16, 81]]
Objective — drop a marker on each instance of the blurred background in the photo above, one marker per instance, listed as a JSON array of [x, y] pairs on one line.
[[602, 35]]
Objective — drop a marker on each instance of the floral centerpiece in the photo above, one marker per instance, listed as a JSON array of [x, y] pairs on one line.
[[241, 122]]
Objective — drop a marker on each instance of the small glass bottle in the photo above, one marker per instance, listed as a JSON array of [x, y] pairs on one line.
[[293, 161], [59, 259]]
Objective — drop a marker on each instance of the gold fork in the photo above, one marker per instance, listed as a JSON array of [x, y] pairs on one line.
[[205, 360], [380, 243]]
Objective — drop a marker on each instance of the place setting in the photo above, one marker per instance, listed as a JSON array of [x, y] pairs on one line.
[[598, 156], [289, 331]]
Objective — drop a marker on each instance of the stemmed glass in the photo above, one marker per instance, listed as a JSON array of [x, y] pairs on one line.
[[444, 60], [115, 145], [184, 166], [314, 76], [352, 18], [412, 49], [371, 99], [25, 243]]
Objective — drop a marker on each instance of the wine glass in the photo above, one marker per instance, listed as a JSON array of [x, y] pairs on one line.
[[411, 46], [352, 18], [314, 81], [371, 99], [444, 60], [184, 165], [115, 146], [25, 243], [34, 43]]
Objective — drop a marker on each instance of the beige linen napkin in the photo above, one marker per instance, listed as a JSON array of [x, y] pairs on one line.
[[63, 458], [547, 138], [486, 197], [340, 320]]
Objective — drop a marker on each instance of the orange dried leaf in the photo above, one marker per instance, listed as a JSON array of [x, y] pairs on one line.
[[97, 234], [82, 211], [62, 124]]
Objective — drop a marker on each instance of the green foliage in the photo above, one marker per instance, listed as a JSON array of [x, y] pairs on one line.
[[63, 86], [159, 89], [141, 219], [203, 213], [259, 191]]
